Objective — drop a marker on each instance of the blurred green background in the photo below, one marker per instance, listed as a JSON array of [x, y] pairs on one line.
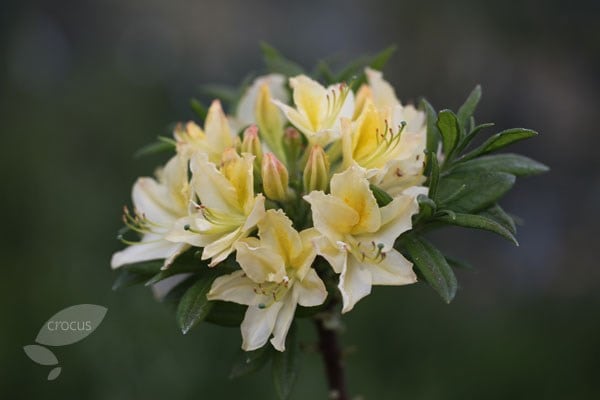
[[84, 84]]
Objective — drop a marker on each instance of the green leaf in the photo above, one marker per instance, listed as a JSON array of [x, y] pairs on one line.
[[227, 314], [478, 222], [200, 109], [277, 63], [427, 206], [227, 94], [133, 274], [450, 131], [500, 140], [381, 196], [432, 265], [433, 134], [162, 145], [472, 191], [454, 263], [465, 112], [356, 68], [189, 261], [285, 365], [510, 163], [434, 175], [379, 60], [497, 214], [324, 71], [248, 362], [471, 135], [194, 306]]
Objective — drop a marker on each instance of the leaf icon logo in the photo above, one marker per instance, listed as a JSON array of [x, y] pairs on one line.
[[67, 326]]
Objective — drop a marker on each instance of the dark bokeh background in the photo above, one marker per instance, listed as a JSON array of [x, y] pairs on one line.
[[84, 84]]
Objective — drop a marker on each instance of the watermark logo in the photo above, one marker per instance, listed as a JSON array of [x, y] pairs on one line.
[[67, 326]]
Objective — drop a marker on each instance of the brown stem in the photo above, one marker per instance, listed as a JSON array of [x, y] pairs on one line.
[[332, 358]]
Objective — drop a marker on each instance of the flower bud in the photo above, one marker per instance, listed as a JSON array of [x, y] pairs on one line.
[[275, 178], [292, 147], [269, 120], [251, 144], [316, 172]]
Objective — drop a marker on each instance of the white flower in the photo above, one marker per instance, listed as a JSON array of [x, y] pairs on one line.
[[276, 276], [318, 109], [228, 208], [386, 138], [213, 140], [247, 106], [158, 204], [358, 236]]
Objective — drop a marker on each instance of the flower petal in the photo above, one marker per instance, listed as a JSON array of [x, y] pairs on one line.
[[394, 269], [260, 263], [211, 187], [311, 290], [355, 283], [151, 200], [303, 261], [284, 321], [310, 98], [396, 218], [352, 187], [276, 231], [334, 255], [235, 287], [384, 95], [331, 216], [258, 324], [216, 126], [144, 251]]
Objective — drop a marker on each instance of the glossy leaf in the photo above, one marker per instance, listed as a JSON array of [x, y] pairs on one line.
[[449, 129], [277, 63], [381, 196], [162, 145], [133, 274], [473, 191], [285, 365], [432, 265], [227, 314], [510, 163], [190, 261], [194, 306], [247, 362], [200, 109], [501, 140], [434, 175], [497, 214], [478, 222], [433, 134], [465, 112]]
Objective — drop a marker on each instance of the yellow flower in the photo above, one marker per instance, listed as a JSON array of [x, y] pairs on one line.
[[386, 138], [249, 104], [158, 204], [276, 276], [358, 235], [213, 140], [228, 209], [318, 109]]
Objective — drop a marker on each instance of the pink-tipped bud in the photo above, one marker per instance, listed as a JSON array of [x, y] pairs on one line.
[[316, 172], [251, 144], [275, 178]]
